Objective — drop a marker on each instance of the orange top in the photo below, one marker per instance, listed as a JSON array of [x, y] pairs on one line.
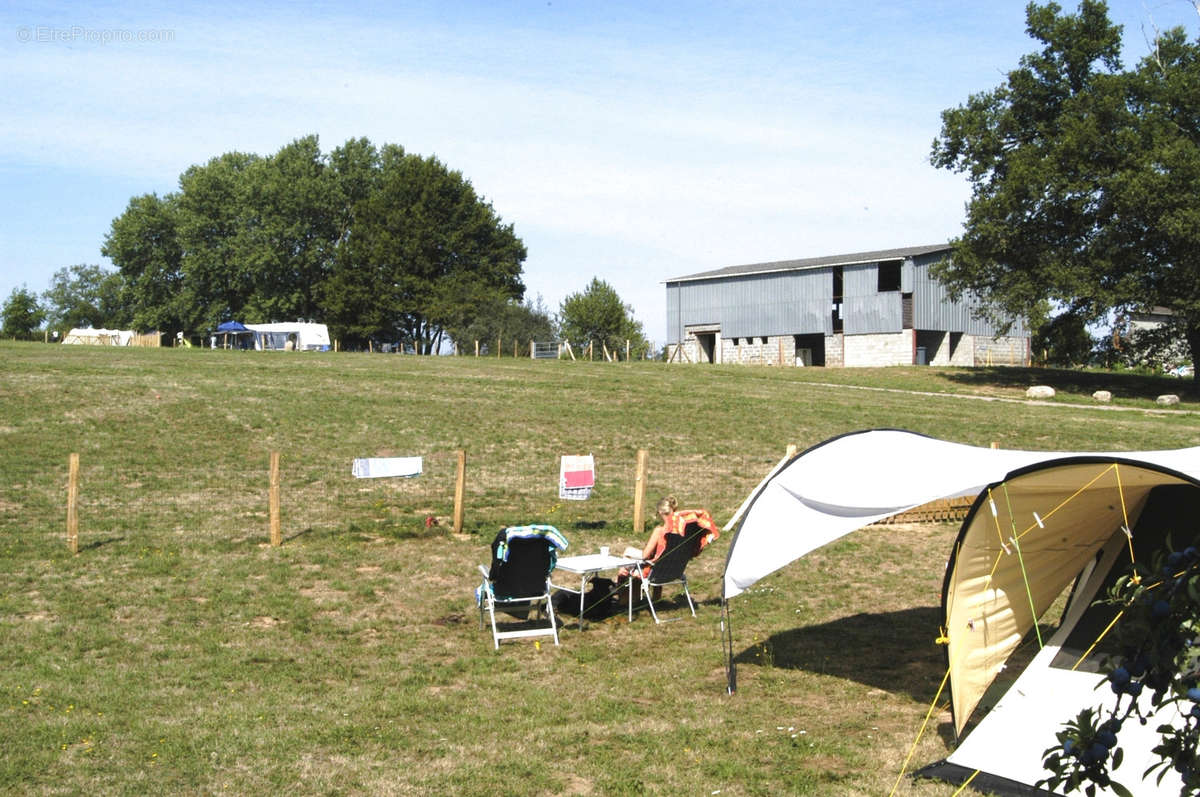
[[677, 523]]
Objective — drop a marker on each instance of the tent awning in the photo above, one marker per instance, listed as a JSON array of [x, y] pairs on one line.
[[849, 482]]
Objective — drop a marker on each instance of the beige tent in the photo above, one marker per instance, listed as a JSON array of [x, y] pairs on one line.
[[99, 337]]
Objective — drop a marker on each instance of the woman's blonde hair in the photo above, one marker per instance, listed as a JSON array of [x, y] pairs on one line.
[[668, 504]]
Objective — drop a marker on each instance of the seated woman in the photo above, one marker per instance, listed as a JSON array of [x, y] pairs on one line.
[[675, 521]]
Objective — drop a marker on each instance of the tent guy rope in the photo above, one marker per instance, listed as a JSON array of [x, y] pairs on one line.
[[920, 731]]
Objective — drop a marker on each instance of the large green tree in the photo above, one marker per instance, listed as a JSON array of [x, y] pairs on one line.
[[143, 243], [21, 315], [1084, 176], [379, 244], [597, 315], [424, 244], [85, 296]]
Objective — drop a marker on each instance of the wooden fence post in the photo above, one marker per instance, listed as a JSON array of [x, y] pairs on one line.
[[460, 488], [499, 346], [72, 504], [273, 501], [639, 492]]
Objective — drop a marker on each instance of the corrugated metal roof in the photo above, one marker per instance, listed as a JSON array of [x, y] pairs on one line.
[[816, 262]]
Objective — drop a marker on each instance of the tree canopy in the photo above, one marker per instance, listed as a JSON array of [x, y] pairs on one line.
[[21, 314], [85, 296], [1084, 176], [597, 315], [494, 318], [378, 243]]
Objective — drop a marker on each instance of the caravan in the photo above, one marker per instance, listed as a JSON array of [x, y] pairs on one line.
[[289, 335]]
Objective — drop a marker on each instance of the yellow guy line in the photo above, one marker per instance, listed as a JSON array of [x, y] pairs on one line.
[[1075, 495], [966, 783], [913, 749], [1048, 515], [1103, 634]]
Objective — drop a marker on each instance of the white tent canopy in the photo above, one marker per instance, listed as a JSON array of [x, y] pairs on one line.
[[1042, 522], [99, 337], [851, 481]]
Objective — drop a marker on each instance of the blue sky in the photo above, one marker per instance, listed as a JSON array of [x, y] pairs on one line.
[[633, 142]]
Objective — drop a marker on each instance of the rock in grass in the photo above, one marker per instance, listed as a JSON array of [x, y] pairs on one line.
[[1040, 392], [1167, 400], [1103, 396]]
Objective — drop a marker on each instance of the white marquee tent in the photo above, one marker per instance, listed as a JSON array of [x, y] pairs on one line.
[[99, 337], [1042, 523]]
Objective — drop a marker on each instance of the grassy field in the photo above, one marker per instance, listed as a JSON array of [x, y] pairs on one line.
[[179, 652]]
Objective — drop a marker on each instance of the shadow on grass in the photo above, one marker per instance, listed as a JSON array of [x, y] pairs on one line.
[[298, 534], [91, 546], [893, 651]]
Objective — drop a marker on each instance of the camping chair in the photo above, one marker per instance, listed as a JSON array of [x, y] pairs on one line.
[[519, 580], [667, 569]]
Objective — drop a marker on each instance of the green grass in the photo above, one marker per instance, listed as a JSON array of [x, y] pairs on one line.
[[178, 652]]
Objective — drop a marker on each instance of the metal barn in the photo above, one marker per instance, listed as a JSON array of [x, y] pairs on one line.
[[866, 309]]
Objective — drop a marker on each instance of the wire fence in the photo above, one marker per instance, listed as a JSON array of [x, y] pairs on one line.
[[181, 505], [232, 503]]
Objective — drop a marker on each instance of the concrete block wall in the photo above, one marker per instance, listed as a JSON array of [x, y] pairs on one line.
[[864, 351], [946, 348], [1000, 351], [758, 350], [835, 346], [686, 352], [964, 353]]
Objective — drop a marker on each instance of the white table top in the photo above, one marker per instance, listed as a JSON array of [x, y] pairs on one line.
[[593, 562]]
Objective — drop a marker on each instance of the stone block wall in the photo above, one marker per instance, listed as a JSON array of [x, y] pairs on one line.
[[758, 350], [1000, 351], [835, 348], [864, 351]]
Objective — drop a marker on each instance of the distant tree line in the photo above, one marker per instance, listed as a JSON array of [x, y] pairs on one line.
[[382, 245]]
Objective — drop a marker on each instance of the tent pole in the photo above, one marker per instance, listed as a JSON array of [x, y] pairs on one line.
[[727, 643]]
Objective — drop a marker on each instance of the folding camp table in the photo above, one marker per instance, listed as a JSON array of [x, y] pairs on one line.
[[588, 565]]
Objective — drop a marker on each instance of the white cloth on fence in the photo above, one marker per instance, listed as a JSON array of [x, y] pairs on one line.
[[378, 467]]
